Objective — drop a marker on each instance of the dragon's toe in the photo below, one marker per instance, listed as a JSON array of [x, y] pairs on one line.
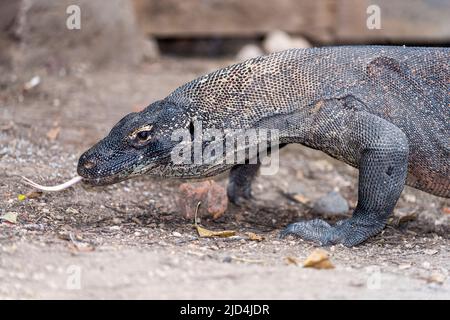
[[348, 232]]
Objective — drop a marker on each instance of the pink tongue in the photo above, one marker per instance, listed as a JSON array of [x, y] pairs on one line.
[[58, 187]]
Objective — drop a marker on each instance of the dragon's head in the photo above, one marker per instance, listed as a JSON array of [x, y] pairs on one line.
[[147, 142], [139, 143]]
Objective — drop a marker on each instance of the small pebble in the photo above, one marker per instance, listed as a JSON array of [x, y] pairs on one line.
[[249, 51], [331, 204]]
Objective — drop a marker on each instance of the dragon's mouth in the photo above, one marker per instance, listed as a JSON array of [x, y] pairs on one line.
[[104, 181], [125, 174]]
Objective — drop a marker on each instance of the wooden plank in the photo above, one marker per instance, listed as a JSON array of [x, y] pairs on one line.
[[424, 21], [200, 18], [322, 21]]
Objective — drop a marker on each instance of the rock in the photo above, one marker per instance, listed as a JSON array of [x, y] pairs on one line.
[[213, 198], [150, 50], [300, 43], [331, 204], [36, 34], [249, 51], [227, 259], [279, 40]]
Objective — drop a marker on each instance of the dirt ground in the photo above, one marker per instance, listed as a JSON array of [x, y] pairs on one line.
[[130, 241]]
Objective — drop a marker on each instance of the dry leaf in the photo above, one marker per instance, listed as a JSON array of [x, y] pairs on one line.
[[33, 194], [406, 217], [254, 236], [35, 81], [446, 210], [436, 278], [10, 217], [53, 133], [205, 233], [81, 247], [300, 198], [292, 260], [21, 197], [318, 259]]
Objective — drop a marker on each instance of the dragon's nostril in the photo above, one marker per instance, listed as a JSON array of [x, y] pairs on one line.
[[89, 164]]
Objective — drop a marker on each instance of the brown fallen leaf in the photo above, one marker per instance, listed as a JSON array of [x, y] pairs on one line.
[[205, 233], [53, 133], [300, 198], [292, 260], [297, 197], [318, 259], [407, 217], [254, 236], [33, 194], [438, 278], [402, 216]]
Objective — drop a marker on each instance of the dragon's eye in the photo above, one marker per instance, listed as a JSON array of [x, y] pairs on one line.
[[143, 135]]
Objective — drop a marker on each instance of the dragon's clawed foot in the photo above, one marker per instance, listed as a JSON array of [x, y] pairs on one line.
[[239, 188], [239, 193], [349, 232]]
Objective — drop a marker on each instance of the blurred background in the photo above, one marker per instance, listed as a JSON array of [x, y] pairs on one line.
[[33, 32]]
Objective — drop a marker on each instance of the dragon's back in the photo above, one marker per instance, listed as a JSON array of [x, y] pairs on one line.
[[406, 86]]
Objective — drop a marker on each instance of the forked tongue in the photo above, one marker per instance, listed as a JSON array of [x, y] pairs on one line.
[[58, 187]]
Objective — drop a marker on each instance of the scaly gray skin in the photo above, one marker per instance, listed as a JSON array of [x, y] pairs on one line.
[[384, 110]]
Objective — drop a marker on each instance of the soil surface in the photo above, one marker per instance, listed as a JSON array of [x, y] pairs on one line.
[[130, 240]]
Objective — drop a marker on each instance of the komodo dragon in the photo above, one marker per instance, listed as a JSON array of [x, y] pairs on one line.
[[382, 109]]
